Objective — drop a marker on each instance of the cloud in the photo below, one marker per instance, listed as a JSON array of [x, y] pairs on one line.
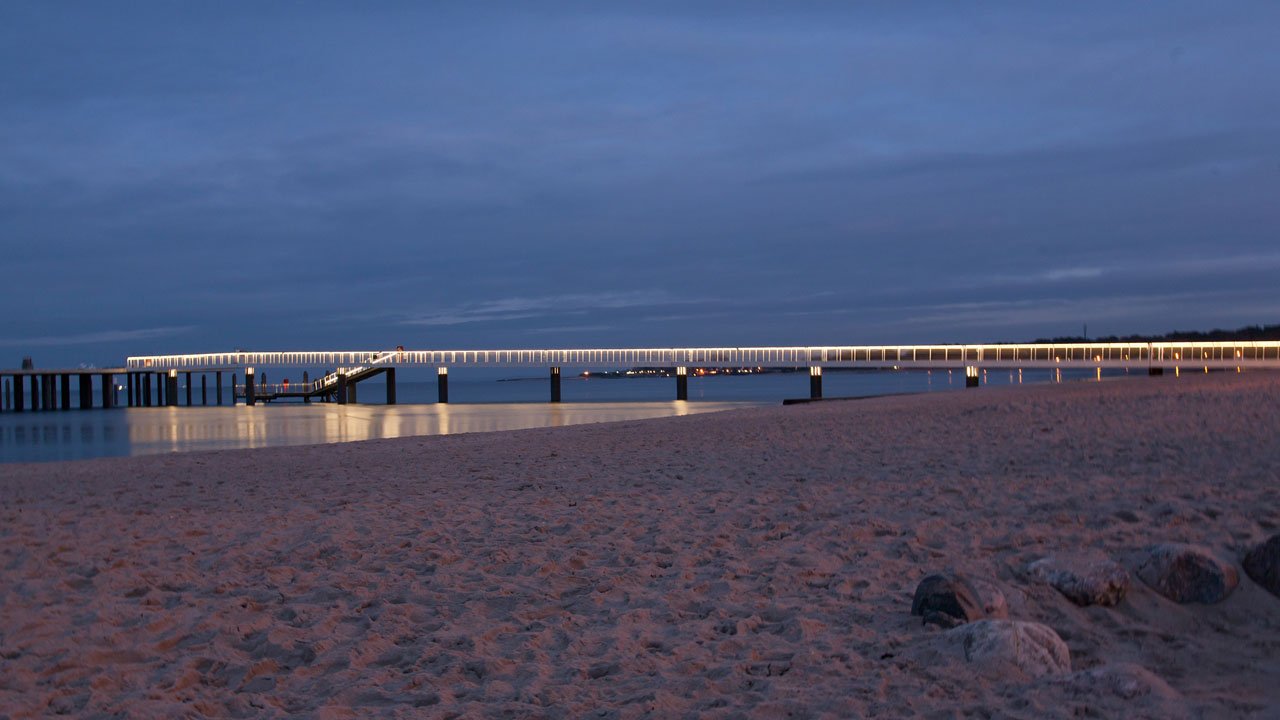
[[520, 308], [102, 336]]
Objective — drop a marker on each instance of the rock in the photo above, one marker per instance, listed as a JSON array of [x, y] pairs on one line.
[[1123, 680], [1090, 579], [949, 600], [1262, 564], [1031, 649], [1188, 573]]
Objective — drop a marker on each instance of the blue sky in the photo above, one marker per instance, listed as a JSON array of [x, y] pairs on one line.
[[179, 177]]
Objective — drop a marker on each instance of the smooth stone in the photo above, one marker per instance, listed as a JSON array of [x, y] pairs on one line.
[[1090, 579], [1262, 565], [1034, 650], [1188, 573], [1123, 680], [950, 599]]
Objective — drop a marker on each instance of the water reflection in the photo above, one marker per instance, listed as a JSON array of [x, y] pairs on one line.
[[145, 431]]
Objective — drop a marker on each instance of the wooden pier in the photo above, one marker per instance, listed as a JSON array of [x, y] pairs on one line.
[[153, 380]]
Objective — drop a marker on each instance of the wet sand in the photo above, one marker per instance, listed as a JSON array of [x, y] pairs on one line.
[[756, 563]]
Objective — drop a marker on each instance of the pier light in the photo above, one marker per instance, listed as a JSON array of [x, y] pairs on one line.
[[173, 373], [442, 370], [248, 371], [682, 371]]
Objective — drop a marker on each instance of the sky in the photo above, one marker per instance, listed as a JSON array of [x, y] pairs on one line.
[[197, 177]]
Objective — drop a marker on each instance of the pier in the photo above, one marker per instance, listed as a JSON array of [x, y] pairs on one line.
[[154, 380]]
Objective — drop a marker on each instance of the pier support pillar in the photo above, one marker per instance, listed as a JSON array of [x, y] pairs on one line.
[[8, 396], [204, 389], [188, 379], [555, 384], [306, 383], [352, 393], [1155, 371], [391, 386], [128, 388], [64, 381], [18, 401], [815, 382], [249, 394], [217, 379], [46, 392], [86, 392], [971, 379], [342, 389], [682, 383], [442, 384], [108, 390], [146, 389], [171, 389]]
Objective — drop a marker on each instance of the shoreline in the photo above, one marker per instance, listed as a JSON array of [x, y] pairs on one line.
[[757, 561]]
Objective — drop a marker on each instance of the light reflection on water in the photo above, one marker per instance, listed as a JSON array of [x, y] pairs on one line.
[[41, 437], [485, 407]]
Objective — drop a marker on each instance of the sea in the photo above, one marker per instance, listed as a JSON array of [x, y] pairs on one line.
[[481, 404]]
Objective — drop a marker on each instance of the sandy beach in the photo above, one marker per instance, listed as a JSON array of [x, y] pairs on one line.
[[752, 563]]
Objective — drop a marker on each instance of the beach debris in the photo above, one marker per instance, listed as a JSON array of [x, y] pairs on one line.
[[951, 599], [1087, 579], [1031, 649], [1123, 680], [1188, 573], [1262, 564]]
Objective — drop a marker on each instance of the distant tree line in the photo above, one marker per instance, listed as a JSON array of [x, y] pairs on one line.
[[1247, 333]]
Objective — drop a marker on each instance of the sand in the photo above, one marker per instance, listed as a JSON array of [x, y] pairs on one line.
[[752, 563]]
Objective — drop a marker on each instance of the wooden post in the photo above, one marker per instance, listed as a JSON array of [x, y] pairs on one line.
[[442, 384], [249, 389], [555, 384], [391, 386], [971, 379], [86, 391], [682, 383], [815, 382], [171, 389]]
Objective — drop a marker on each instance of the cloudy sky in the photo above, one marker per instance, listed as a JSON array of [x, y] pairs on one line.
[[183, 177]]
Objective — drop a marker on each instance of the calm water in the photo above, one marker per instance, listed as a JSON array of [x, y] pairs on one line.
[[476, 406]]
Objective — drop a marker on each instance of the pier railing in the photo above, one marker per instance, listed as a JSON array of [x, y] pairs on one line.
[[1186, 355]]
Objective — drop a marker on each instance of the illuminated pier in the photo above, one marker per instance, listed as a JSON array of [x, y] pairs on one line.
[[153, 380], [355, 365]]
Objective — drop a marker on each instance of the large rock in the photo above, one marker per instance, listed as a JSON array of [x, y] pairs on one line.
[[1262, 564], [950, 599], [1089, 579], [1026, 648], [1188, 573]]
